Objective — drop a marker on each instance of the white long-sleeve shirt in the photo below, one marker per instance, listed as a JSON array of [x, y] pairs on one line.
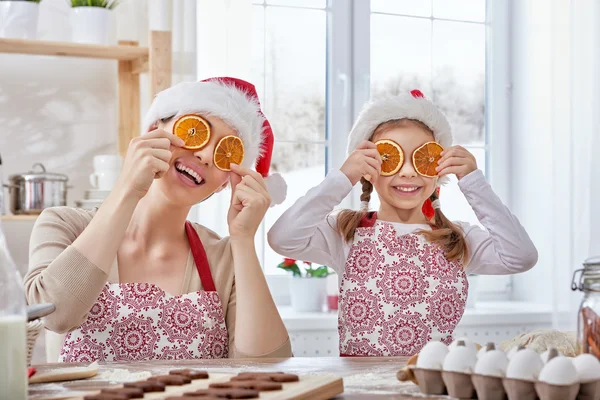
[[306, 231]]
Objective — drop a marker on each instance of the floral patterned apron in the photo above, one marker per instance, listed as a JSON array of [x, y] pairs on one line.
[[139, 321], [397, 293]]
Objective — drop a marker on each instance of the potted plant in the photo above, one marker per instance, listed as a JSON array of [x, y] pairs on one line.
[[308, 290], [19, 19], [90, 20]]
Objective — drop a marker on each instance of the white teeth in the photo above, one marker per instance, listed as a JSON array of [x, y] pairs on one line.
[[406, 189], [190, 171]]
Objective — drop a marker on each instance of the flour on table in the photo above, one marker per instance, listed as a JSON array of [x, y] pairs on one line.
[[122, 375]]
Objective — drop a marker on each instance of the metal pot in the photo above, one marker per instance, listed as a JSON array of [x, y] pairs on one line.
[[32, 192]]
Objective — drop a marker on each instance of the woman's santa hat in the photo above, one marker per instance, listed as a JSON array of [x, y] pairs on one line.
[[411, 105], [235, 101]]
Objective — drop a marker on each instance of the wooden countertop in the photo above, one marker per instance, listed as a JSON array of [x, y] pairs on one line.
[[364, 378]]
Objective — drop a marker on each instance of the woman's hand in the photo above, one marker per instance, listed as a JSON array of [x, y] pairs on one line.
[[147, 158], [458, 161], [249, 202], [364, 161]]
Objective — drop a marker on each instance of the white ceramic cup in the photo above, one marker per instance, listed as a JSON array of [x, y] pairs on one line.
[[107, 168]]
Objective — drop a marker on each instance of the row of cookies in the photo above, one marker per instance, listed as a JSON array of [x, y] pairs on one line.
[[246, 385]]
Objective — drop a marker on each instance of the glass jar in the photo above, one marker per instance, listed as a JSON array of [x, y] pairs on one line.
[[588, 317]]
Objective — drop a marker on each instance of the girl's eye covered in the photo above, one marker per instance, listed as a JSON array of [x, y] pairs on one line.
[[425, 158]]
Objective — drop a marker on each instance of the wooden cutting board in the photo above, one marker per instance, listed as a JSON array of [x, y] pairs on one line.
[[65, 374], [309, 387]]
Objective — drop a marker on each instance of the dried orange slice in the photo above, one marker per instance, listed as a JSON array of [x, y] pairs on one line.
[[193, 130], [229, 150], [392, 156], [426, 157]]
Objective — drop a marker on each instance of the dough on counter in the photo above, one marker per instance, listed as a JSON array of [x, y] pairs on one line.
[[171, 380], [131, 393], [147, 386], [541, 340], [261, 386], [193, 374], [225, 393], [266, 376]]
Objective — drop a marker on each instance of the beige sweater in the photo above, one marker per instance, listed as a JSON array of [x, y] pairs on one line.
[[59, 274]]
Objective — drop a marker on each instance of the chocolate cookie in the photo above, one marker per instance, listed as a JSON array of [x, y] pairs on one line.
[[190, 373], [147, 386], [225, 393], [105, 396], [194, 398], [261, 386], [171, 380], [131, 393], [266, 376]]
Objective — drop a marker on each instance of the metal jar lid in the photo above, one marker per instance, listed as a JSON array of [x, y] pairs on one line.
[[33, 176], [590, 270]]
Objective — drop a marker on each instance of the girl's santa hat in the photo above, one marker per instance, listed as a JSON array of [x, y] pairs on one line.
[[235, 101], [411, 105]]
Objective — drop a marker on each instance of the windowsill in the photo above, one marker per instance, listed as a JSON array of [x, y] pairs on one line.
[[497, 313]]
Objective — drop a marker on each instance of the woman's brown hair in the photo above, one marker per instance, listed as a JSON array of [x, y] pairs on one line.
[[445, 234]]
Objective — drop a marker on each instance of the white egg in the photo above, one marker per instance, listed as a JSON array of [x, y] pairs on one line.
[[587, 366], [525, 364], [460, 359], [512, 352], [492, 363], [559, 371], [545, 354], [468, 343], [432, 355], [481, 352]]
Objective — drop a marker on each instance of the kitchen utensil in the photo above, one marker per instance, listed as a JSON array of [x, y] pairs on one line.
[[32, 192], [65, 374], [36, 311]]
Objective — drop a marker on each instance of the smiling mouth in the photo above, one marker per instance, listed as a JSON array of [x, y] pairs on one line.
[[407, 190], [189, 174]]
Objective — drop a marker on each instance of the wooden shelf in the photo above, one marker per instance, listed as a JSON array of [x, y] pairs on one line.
[[67, 49], [132, 60], [19, 217]]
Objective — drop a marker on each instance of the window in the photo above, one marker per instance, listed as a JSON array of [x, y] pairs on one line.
[[315, 63], [289, 41]]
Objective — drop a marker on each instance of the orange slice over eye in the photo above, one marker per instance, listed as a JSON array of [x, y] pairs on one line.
[[193, 130], [229, 150], [392, 156], [426, 157]]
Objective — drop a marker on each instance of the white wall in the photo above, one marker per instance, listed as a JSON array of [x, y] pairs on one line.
[[61, 111]]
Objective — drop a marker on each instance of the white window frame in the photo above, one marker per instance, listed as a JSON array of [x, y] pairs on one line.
[[350, 56], [348, 88]]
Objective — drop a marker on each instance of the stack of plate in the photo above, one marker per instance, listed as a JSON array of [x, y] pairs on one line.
[[93, 198]]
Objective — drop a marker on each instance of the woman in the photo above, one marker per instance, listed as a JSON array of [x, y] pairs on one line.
[[133, 280]]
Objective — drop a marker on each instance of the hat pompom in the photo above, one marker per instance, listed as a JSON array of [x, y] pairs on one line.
[[277, 188]]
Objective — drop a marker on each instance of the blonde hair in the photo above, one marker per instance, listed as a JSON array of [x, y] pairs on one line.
[[445, 234]]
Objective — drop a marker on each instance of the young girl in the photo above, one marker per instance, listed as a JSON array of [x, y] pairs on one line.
[[133, 280], [403, 270]]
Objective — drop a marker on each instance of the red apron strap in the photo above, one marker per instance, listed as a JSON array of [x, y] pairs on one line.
[[200, 258], [368, 220]]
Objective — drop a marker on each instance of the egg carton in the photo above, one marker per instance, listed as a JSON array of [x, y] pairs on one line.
[[471, 385]]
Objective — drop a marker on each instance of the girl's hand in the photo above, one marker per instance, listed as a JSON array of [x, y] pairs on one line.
[[364, 161], [147, 158], [458, 161], [249, 202]]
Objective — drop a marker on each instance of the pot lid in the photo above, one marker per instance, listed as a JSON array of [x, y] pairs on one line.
[[592, 262], [40, 175]]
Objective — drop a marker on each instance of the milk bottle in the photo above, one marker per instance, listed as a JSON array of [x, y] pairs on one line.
[[13, 335]]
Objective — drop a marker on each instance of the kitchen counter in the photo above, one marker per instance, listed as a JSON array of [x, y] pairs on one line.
[[364, 378]]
